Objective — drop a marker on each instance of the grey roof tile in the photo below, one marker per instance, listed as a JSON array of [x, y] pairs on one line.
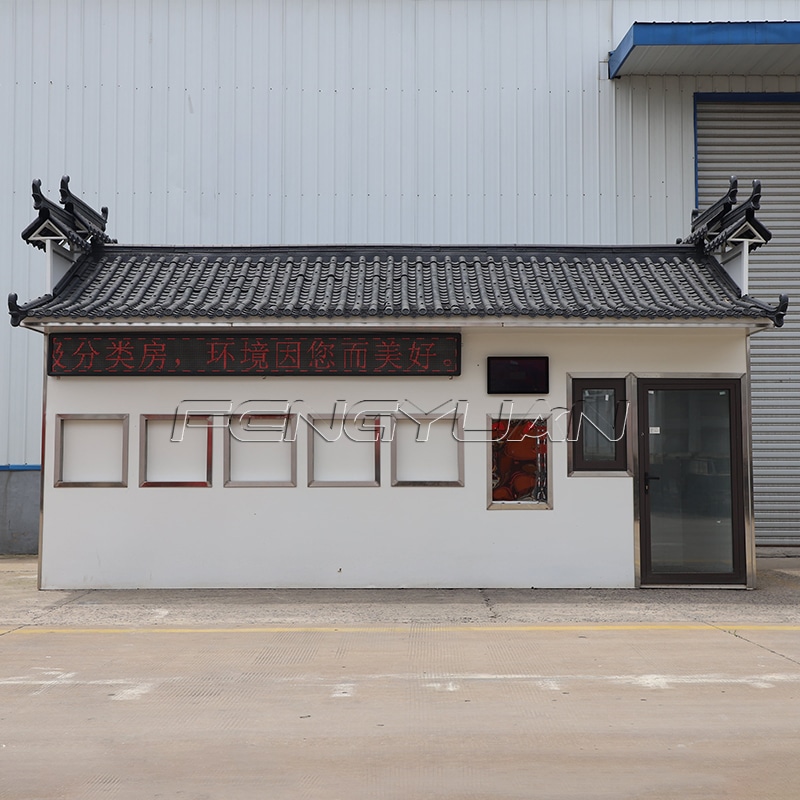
[[114, 282]]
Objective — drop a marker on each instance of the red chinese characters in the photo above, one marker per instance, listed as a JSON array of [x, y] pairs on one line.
[[266, 354]]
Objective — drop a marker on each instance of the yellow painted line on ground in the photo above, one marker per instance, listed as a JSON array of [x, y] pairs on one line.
[[727, 627]]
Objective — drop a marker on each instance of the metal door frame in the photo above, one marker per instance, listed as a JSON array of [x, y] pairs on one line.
[[741, 478]]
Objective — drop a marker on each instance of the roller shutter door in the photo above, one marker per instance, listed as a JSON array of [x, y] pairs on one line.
[[762, 140]]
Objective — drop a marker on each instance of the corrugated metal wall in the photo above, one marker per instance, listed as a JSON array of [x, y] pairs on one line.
[[269, 121], [256, 121], [317, 120], [762, 140]]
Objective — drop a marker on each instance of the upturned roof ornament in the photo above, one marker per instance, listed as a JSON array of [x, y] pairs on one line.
[[75, 227], [724, 221]]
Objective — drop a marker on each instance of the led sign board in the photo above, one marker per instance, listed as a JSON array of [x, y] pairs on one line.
[[268, 354]]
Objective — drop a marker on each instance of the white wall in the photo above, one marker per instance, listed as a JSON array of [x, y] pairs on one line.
[[358, 537], [304, 121]]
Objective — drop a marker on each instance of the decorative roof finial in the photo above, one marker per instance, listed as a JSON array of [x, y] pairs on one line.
[[76, 226], [14, 310], [36, 193], [780, 311], [724, 221]]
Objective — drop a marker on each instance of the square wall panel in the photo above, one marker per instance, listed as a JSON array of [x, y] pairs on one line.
[[91, 450], [185, 461], [428, 452], [336, 459], [262, 454]]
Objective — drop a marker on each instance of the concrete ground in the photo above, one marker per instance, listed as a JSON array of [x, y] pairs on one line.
[[400, 694]]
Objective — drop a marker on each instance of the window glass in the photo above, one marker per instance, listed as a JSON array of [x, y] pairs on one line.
[[599, 408], [598, 421], [519, 461]]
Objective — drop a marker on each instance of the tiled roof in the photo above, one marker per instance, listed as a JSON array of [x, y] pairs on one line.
[[119, 283]]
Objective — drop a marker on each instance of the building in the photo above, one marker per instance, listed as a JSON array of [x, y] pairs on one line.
[[396, 416], [255, 122]]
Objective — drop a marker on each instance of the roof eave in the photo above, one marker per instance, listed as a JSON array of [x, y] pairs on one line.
[[48, 325], [707, 48]]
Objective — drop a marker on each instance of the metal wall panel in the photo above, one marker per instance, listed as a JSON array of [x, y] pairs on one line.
[[654, 164], [762, 140], [626, 12], [291, 121]]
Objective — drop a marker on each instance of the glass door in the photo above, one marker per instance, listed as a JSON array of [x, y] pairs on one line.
[[691, 482]]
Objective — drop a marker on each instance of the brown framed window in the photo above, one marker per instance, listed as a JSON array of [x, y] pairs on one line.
[[598, 425]]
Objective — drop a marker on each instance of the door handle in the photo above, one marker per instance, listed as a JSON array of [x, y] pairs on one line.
[[647, 478]]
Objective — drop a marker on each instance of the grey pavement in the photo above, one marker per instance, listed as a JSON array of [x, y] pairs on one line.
[[400, 694], [776, 600]]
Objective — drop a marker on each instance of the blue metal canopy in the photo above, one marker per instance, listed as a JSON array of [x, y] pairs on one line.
[[707, 48]]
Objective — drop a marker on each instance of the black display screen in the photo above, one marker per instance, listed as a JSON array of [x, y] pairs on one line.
[[256, 354], [518, 375]]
